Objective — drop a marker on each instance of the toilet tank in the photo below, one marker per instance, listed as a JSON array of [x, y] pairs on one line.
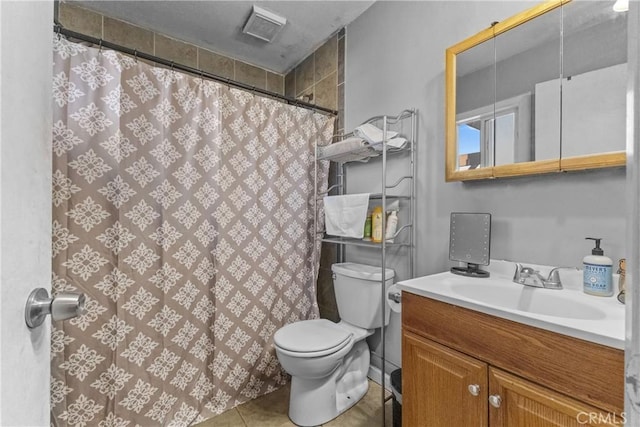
[[358, 293]]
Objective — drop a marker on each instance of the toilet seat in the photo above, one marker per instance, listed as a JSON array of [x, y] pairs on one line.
[[312, 338]]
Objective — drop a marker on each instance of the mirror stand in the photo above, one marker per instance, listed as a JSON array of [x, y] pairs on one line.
[[471, 270]]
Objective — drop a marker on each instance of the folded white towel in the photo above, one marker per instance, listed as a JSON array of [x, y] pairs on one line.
[[341, 147], [360, 155], [372, 134], [346, 215], [397, 142], [347, 150]]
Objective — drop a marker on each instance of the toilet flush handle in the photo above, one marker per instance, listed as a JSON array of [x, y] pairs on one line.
[[395, 297]]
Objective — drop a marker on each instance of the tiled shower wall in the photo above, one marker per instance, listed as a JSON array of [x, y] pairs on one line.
[[128, 35], [318, 79]]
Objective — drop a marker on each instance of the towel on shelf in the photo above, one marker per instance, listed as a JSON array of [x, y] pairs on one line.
[[373, 135], [348, 150], [361, 155], [345, 215], [394, 143], [397, 142]]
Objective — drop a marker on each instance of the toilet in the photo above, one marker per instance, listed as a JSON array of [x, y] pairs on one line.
[[328, 362]]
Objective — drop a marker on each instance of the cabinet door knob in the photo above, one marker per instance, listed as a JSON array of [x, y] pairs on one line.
[[474, 389], [495, 400]]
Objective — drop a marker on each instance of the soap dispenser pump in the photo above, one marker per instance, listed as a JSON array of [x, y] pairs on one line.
[[597, 270]]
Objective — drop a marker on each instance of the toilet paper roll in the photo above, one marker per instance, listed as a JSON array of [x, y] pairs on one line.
[[396, 307]]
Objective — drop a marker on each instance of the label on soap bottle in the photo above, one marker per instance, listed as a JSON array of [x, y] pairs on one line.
[[597, 280]]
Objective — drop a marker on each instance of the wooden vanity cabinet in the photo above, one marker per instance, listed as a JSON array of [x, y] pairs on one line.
[[524, 403], [449, 380], [436, 384]]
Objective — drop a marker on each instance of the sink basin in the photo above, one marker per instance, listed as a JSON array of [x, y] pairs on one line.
[[568, 311], [547, 302]]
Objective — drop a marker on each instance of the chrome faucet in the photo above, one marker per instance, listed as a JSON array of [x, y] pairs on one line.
[[529, 277]]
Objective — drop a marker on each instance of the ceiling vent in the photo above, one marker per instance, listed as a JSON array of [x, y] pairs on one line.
[[263, 24]]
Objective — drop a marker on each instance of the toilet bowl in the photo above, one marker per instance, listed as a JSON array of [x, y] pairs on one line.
[[328, 362], [312, 349]]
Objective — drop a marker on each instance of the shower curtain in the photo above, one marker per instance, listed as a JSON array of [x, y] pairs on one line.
[[183, 209]]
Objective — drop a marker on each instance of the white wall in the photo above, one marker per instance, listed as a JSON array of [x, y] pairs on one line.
[[25, 209], [395, 60]]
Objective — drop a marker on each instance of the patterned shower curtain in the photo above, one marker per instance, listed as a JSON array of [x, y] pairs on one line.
[[183, 210]]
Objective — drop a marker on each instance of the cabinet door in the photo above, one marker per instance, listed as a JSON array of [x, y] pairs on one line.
[[437, 391], [524, 404]]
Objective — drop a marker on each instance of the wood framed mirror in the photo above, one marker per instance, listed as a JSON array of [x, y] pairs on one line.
[[540, 92]]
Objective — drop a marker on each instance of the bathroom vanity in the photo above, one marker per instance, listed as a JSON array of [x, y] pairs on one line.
[[469, 362]]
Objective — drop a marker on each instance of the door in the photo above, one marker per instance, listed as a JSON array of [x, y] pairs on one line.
[[516, 402], [25, 208], [446, 388]]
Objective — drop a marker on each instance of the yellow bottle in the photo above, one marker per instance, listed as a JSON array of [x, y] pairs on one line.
[[377, 233]]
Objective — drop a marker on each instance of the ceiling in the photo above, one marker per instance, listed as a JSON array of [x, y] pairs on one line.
[[217, 25]]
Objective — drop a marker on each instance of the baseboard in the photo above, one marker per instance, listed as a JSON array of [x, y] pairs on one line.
[[375, 375]]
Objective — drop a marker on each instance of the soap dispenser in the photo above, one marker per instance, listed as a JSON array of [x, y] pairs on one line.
[[597, 272]]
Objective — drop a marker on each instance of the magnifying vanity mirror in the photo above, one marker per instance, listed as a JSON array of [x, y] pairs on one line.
[[540, 92], [470, 242]]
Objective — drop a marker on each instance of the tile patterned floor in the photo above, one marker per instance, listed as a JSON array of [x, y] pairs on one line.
[[271, 411]]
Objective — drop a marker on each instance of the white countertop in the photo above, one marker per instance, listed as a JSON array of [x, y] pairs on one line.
[[591, 318]]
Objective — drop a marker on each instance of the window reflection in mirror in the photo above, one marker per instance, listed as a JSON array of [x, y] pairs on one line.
[[486, 141], [505, 138], [475, 95], [495, 142], [526, 56], [469, 143], [594, 79]]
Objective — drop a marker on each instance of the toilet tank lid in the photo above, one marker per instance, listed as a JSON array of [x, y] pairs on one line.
[[309, 336], [362, 271]]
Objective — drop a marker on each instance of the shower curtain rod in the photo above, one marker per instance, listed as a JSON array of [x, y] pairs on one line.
[[59, 29]]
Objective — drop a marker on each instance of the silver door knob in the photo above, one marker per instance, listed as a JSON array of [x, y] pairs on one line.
[[63, 306], [495, 400], [474, 389]]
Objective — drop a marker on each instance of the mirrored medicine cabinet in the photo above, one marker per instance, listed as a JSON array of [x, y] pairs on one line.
[[543, 91]]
